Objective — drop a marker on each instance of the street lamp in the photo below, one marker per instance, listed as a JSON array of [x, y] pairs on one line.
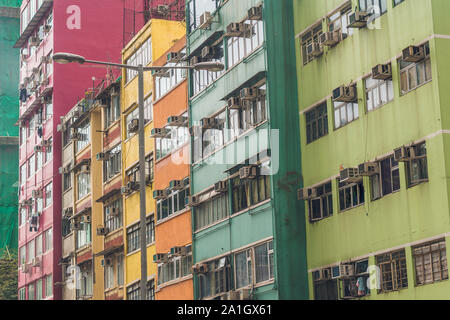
[[65, 58]]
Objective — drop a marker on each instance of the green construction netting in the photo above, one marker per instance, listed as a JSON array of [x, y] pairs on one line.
[[10, 3]]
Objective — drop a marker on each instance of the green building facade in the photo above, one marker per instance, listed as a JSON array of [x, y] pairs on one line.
[[9, 113], [248, 227], [386, 221]]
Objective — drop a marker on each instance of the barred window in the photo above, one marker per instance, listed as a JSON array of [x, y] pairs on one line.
[[112, 166], [350, 195], [113, 215], [321, 207], [387, 181], [430, 262], [417, 166], [316, 123], [393, 271], [311, 36], [217, 280], [239, 47]]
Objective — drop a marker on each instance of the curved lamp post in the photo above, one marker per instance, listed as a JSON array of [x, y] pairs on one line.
[[64, 58]]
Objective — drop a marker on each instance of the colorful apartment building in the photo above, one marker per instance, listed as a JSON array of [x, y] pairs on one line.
[[49, 91], [152, 41], [374, 135], [248, 227], [92, 233], [173, 232], [9, 135]]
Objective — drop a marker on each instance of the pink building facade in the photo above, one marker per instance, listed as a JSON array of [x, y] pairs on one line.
[[93, 29]]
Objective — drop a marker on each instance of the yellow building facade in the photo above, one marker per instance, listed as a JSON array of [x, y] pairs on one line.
[[155, 38]]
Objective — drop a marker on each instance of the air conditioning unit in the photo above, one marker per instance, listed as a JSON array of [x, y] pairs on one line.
[[75, 226], [114, 212], [382, 72], [345, 94], [133, 126], [46, 143], [191, 201], [27, 203], [248, 172], [200, 268], [106, 262], [125, 190], [102, 231], [349, 175], [34, 41], [357, 19], [205, 20], [47, 28], [36, 261], [160, 194], [209, 53], [174, 57], [162, 73], [84, 168], [133, 185], [330, 38], [85, 219], [314, 49], [178, 251], [25, 268], [177, 185], [250, 93], [326, 273], [306, 193], [255, 13], [76, 136], [160, 257], [195, 60], [413, 54], [159, 132], [244, 294], [38, 149], [239, 29], [46, 99], [368, 169], [403, 154], [346, 270], [177, 121], [102, 156], [36, 193], [209, 123], [234, 103], [221, 186]]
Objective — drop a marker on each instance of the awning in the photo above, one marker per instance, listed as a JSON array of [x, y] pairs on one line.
[[110, 250], [81, 163], [82, 212], [33, 23], [108, 195]]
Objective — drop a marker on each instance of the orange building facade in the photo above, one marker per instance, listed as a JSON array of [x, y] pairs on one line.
[[173, 230]]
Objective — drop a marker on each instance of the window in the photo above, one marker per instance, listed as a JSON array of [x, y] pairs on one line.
[[85, 131], [83, 184], [175, 269], [48, 286], [120, 274], [39, 160], [109, 275], [23, 134], [31, 292], [67, 181], [171, 205], [249, 192], [373, 7], [417, 167], [201, 79], [175, 76], [350, 195], [325, 290], [133, 173], [149, 167], [112, 166], [151, 290], [387, 181], [256, 261], [23, 174], [39, 289], [112, 110], [48, 195], [393, 271], [178, 136], [197, 8], [86, 281], [48, 237], [148, 109], [84, 236], [113, 215], [344, 113], [321, 207], [378, 93], [133, 291], [31, 166], [430, 262], [316, 123], [129, 117], [239, 47], [211, 211], [143, 56], [48, 108], [414, 75], [217, 280], [397, 2], [23, 216], [22, 294], [340, 21], [214, 138], [311, 36], [39, 241], [23, 255], [31, 251], [134, 236]]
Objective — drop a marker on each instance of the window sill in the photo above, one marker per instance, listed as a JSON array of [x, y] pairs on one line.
[[418, 184], [354, 207], [172, 216], [385, 196], [345, 125], [404, 93], [168, 92], [378, 107], [172, 282]]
